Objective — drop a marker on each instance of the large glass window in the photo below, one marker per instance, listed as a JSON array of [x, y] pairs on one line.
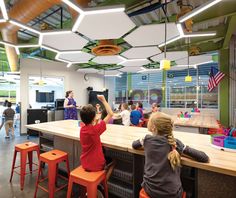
[[168, 88]]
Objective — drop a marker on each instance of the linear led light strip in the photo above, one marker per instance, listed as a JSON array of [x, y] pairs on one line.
[[131, 60], [3, 10], [92, 12], [188, 35], [24, 26], [10, 45], [148, 70], [198, 10], [51, 33], [73, 6]]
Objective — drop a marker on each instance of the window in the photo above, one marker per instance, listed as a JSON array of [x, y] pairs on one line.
[[173, 93]]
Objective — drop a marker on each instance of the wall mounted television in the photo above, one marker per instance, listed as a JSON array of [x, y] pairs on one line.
[[44, 96]]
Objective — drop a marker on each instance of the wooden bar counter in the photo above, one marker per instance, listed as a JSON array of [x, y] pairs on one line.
[[215, 179]]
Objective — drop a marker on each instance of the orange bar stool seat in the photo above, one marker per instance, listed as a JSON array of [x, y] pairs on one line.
[[52, 158], [24, 149], [90, 180], [143, 194]]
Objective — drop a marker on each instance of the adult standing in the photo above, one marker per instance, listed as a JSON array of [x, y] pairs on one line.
[[9, 114], [70, 112]]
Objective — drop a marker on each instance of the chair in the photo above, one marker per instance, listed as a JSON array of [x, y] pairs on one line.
[[25, 149], [90, 180], [143, 194], [52, 158]]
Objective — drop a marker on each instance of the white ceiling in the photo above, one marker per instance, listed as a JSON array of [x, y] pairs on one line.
[[89, 71], [195, 60], [108, 59], [134, 62], [64, 41], [153, 34], [130, 69], [104, 25], [172, 56], [141, 52], [75, 57]]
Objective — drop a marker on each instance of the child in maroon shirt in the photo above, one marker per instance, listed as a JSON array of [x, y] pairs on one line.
[[92, 157]]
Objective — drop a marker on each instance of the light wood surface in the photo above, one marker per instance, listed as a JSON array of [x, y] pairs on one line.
[[199, 121], [121, 138]]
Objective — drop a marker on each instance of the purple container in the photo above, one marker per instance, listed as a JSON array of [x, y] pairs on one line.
[[218, 140]]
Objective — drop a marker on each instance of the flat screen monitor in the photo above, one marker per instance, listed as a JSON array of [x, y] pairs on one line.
[[44, 96]]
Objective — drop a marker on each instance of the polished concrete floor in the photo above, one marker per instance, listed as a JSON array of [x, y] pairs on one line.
[[12, 190]]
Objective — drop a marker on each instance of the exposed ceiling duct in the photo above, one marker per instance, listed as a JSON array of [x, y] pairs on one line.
[[23, 11]]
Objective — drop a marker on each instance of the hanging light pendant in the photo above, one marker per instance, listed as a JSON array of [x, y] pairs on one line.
[[188, 78], [165, 64]]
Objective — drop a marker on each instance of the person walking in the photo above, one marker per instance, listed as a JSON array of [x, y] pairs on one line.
[[9, 114]]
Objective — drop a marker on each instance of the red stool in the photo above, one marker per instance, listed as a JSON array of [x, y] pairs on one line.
[[90, 180], [143, 194], [24, 149], [52, 158]]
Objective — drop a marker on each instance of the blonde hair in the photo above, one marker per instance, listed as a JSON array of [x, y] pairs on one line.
[[162, 124]]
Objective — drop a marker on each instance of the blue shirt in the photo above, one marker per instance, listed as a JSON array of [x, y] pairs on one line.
[[135, 116]]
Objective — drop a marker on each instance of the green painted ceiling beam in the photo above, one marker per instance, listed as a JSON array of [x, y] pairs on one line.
[[230, 31]]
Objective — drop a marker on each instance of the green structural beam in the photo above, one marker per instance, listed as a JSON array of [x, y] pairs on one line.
[[230, 31], [224, 87]]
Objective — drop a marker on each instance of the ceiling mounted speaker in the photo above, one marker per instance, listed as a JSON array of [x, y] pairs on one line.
[[106, 48]]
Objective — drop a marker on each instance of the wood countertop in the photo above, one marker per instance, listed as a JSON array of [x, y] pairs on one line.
[[121, 138], [200, 121]]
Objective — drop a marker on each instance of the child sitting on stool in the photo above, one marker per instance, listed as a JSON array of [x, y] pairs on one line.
[[135, 116], [162, 158], [92, 157]]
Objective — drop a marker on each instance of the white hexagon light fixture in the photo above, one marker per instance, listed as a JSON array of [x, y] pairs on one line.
[[135, 62], [141, 52], [74, 57], [88, 70], [112, 73], [172, 56], [195, 60], [63, 40], [108, 23], [130, 69], [108, 59], [153, 34]]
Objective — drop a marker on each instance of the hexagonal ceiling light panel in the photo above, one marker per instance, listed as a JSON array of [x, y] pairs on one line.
[[89, 70], [130, 69], [195, 60], [153, 34], [141, 52], [63, 41], [114, 73], [108, 59], [74, 57], [172, 56], [135, 62], [106, 23]]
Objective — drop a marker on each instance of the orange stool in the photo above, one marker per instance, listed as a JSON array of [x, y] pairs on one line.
[[52, 158], [24, 149], [88, 179], [143, 194]]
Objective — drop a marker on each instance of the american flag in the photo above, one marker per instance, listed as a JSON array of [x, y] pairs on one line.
[[215, 77]]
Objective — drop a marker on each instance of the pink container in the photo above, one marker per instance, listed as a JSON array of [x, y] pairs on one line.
[[218, 140]]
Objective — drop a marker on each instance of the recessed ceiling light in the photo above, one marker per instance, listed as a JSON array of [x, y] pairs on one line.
[[199, 34], [198, 10]]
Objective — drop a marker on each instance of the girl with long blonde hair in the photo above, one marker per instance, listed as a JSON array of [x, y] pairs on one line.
[[163, 158]]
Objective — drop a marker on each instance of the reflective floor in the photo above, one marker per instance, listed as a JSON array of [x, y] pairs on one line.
[[12, 190]]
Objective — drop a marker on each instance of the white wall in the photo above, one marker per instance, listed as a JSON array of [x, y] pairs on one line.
[[72, 81], [58, 93]]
